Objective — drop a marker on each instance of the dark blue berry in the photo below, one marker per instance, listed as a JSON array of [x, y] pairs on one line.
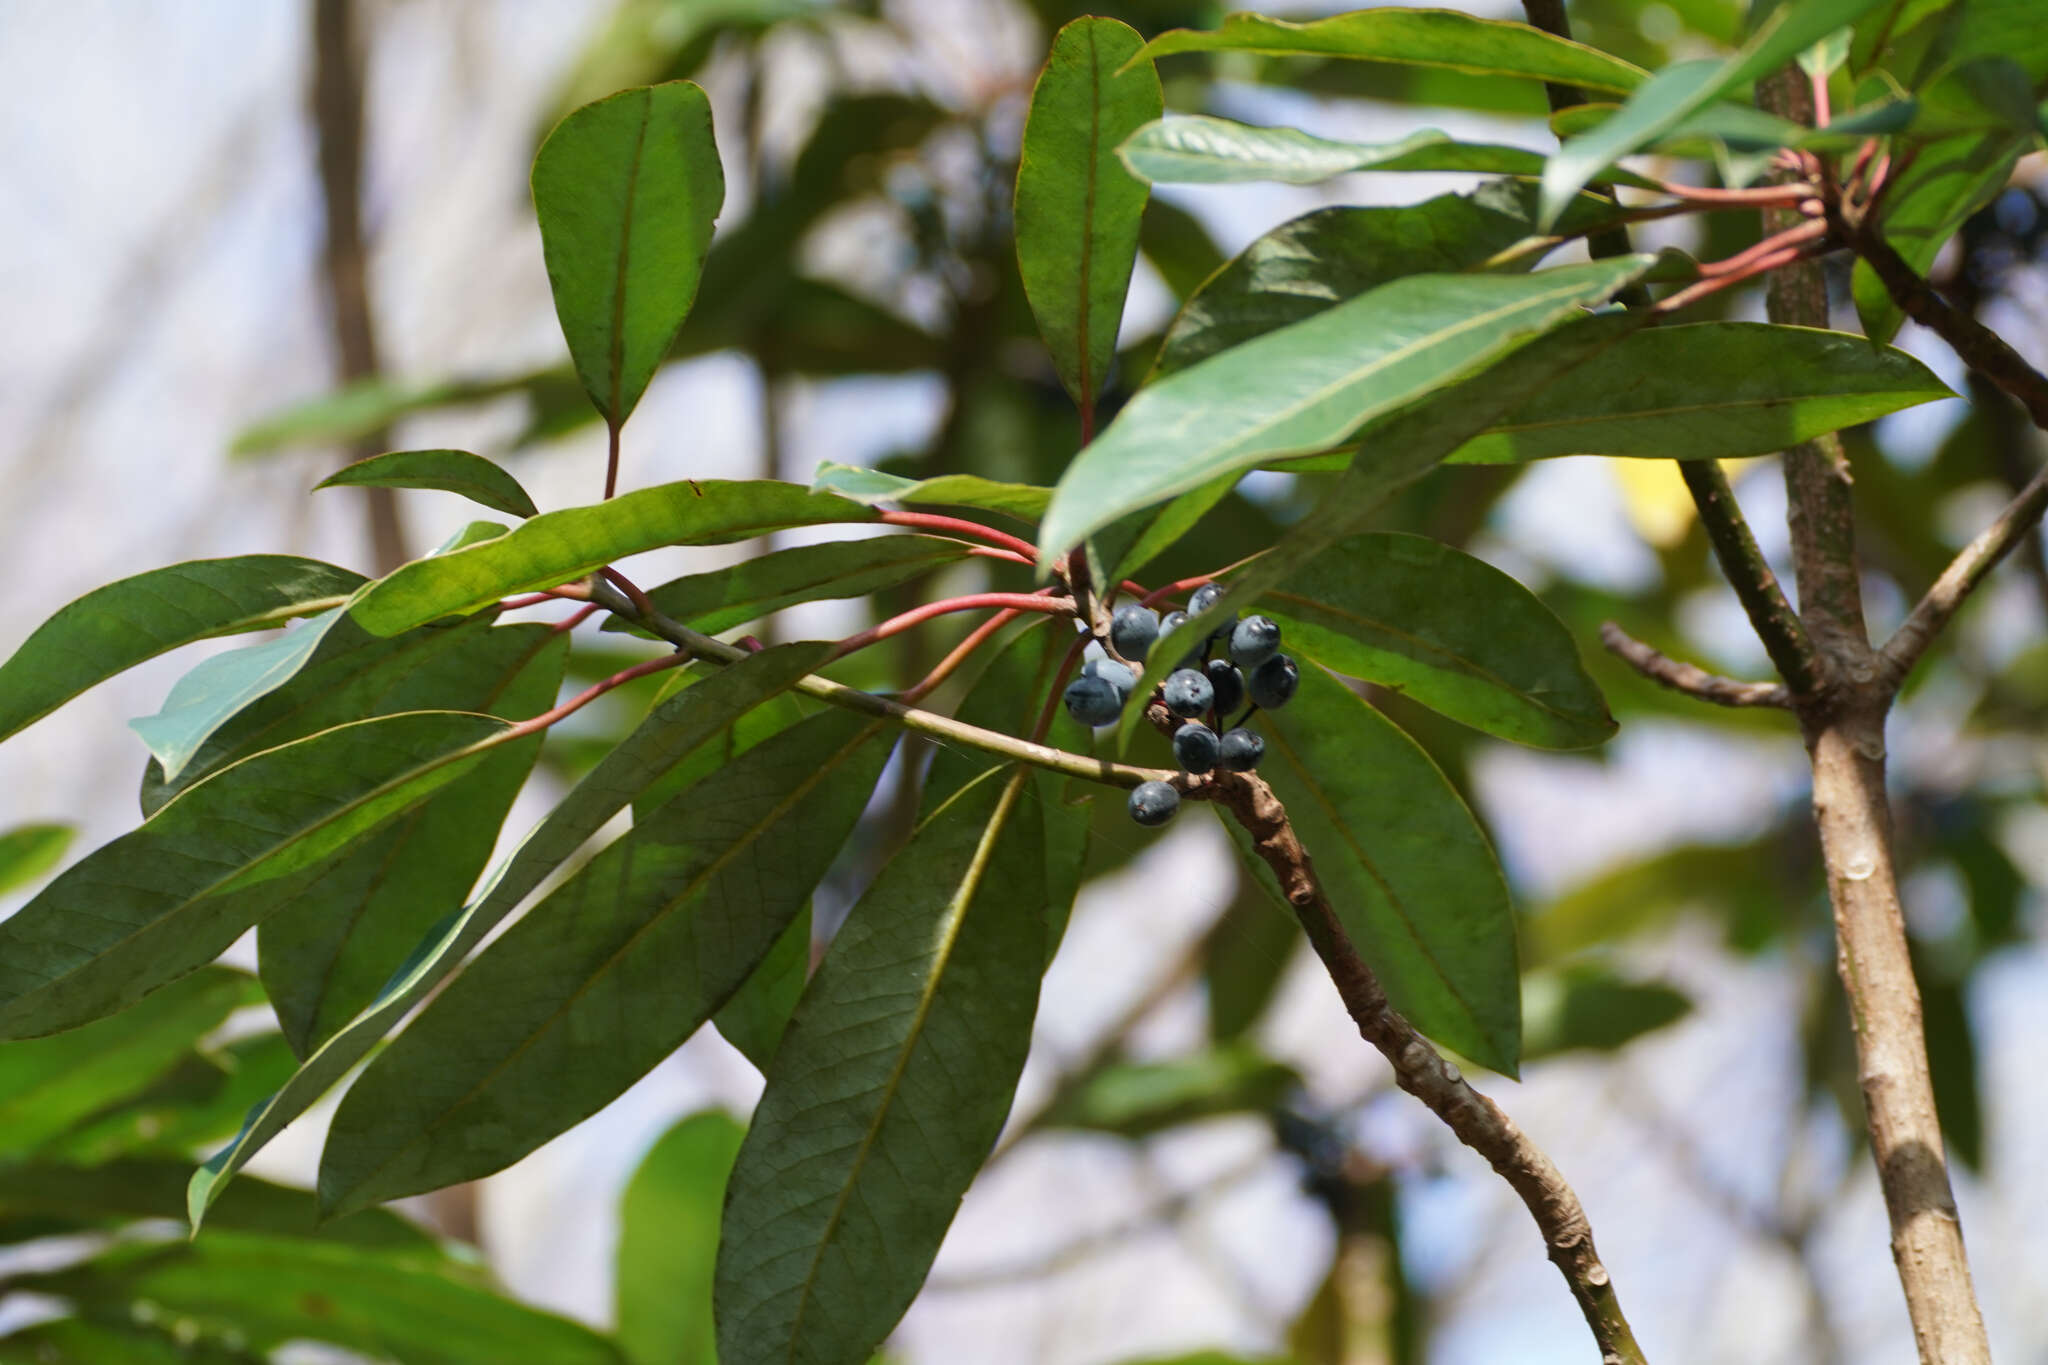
[[1229, 684], [1093, 701], [1273, 682], [1119, 676], [1240, 750], [1132, 630], [1153, 803], [1173, 621], [1196, 747], [1188, 693], [1206, 596], [1254, 640]]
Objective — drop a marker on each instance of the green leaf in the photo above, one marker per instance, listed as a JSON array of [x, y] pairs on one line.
[[1137, 1099], [1588, 1008], [112, 629], [76, 1341], [128, 1190], [157, 903], [1444, 629], [386, 1304], [1405, 865], [754, 1018], [324, 956], [668, 1242], [556, 547], [724, 598], [1008, 698], [28, 852], [220, 688], [355, 411], [889, 1088], [1399, 449], [1680, 90], [1024, 501], [1077, 208], [626, 190], [609, 974], [1308, 385], [48, 1085], [1947, 182], [1127, 546], [452, 471], [1178, 245], [674, 729], [199, 1102], [1710, 391], [1311, 263], [1197, 149], [1441, 38]]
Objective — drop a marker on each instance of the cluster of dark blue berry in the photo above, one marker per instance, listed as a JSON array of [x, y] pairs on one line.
[[1202, 691]]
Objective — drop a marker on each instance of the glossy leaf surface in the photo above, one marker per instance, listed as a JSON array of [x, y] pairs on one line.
[[114, 628], [1930, 200], [1444, 629], [626, 190], [169, 897], [674, 729], [1024, 501], [1077, 207], [1311, 384], [556, 547], [1484, 47], [1405, 865], [451, 471], [668, 1242], [889, 1089], [609, 974]]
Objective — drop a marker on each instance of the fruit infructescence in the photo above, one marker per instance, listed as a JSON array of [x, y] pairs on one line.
[[1093, 700], [1187, 693], [1132, 629], [1196, 747], [1153, 803]]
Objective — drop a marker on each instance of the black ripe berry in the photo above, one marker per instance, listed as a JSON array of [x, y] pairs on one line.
[[1206, 596], [1228, 683], [1188, 693], [1153, 803], [1132, 630], [1254, 640], [1115, 674], [1273, 682], [1197, 747], [1093, 701], [1241, 750]]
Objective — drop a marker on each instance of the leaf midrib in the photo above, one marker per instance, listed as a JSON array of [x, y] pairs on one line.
[[618, 337], [696, 884], [956, 916]]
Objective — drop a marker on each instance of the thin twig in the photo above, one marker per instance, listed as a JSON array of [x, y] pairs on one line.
[[1424, 1073], [596, 690], [1749, 573], [958, 655], [1042, 601], [1960, 579], [959, 526], [911, 717], [1688, 678]]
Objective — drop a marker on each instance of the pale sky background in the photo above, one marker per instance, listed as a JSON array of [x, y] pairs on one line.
[[158, 243]]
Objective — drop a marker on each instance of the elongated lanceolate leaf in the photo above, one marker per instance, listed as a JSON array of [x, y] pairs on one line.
[[723, 598], [112, 629], [324, 956], [1405, 865], [668, 1242], [1024, 501], [556, 547], [669, 734], [609, 974], [1078, 209], [1423, 37], [47, 1085], [1444, 629], [451, 471], [1678, 91], [29, 851], [1198, 149], [1309, 385], [626, 190], [219, 688], [889, 1089], [1395, 451], [1313, 262], [169, 897], [1710, 390]]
